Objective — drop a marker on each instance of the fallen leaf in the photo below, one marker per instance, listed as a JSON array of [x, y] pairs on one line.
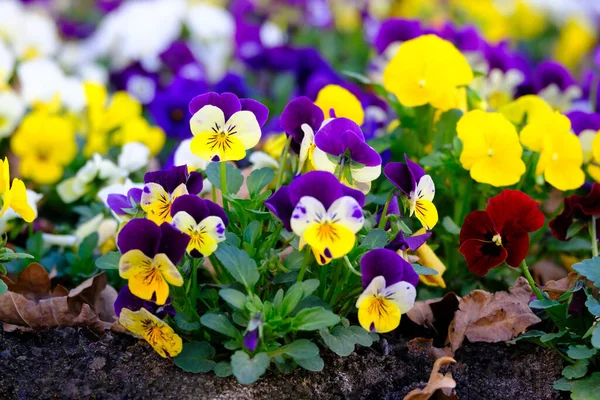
[[88, 292], [435, 316], [557, 288], [546, 270], [33, 282], [105, 304], [491, 318], [437, 381]]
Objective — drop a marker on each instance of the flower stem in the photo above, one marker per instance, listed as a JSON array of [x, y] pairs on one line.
[[282, 160], [594, 91], [224, 185], [527, 275], [594, 238], [383, 219], [213, 190], [305, 262], [351, 267]]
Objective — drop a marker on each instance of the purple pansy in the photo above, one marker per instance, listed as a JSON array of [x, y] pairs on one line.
[[170, 179], [581, 121], [405, 176], [252, 335], [178, 56], [137, 81], [128, 300], [386, 263], [121, 204], [552, 72], [343, 136], [412, 243], [285, 199], [229, 103], [300, 114], [396, 30]]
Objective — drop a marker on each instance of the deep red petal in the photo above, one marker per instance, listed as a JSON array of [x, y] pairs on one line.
[[588, 204], [516, 206], [559, 226], [516, 242], [482, 256], [477, 225]]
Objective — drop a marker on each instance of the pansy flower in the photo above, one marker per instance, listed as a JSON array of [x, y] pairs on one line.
[[417, 186], [327, 220], [501, 232], [491, 148], [126, 299], [561, 159], [155, 331], [125, 205], [576, 208], [202, 220], [389, 284], [14, 196], [149, 254], [341, 145], [163, 187], [224, 126], [338, 102], [253, 332]]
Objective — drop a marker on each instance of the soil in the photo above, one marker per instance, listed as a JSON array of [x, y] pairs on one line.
[[71, 363]]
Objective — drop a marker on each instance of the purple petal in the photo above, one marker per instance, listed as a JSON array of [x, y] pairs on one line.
[[356, 194], [280, 205], [360, 151], [260, 111], [300, 111], [404, 176], [216, 210], [549, 72], [411, 243], [396, 30], [192, 205], [169, 179], [195, 182], [141, 234], [128, 300], [386, 263], [321, 185], [135, 195], [173, 243], [229, 103], [118, 203], [581, 121], [251, 340], [393, 209]]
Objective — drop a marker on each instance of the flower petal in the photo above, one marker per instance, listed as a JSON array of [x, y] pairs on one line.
[[378, 315], [386, 263], [426, 213], [347, 212], [245, 127], [141, 234], [403, 294], [161, 336], [308, 211], [156, 202]]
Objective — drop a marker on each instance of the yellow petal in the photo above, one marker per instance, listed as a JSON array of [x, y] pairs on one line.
[[564, 176], [498, 171], [331, 239], [161, 336], [532, 135], [156, 202], [429, 259], [426, 213], [217, 147], [19, 201], [529, 107], [5, 176], [342, 101], [168, 270], [377, 314], [133, 263]]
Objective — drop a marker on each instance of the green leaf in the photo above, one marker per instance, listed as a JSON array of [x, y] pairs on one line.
[[543, 304], [309, 286], [2, 269], [252, 231], [239, 264], [445, 128], [87, 246], [3, 287], [259, 179], [220, 322], [596, 337], [590, 269], [301, 349], [593, 306], [109, 260], [222, 369], [376, 239], [278, 298], [233, 175], [187, 321], [234, 297], [435, 159], [340, 340], [534, 334], [548, 337], [312, 319], [574, 229], [291, 299], [581, 352], [574, 245], [196, 357], [10, 255], [577, 370], [315, 364], [564, 385], [450, 226], [586, 389], [247, 370], [421, 270]]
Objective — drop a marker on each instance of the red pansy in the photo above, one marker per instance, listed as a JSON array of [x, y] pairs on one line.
[[580, 208], [501, 232]]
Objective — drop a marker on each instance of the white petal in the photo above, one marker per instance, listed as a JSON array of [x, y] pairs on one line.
[[366, 174], [214, 226], [207, 118], [425, 188], [322, 161], [260, 159], [307, 211], [307, 142], [347, 212], [184, 156], [403, 294], [376, 286], [246, 128], [184, 222]]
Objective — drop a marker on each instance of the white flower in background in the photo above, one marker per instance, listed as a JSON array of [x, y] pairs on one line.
[[134, 156], [560, 100], [212, 31], [142, 88], [106, 228], [137, 31], [498, 87], [271, 35], [32, 199], [37, 37], [11, 14], [260, 159], [72, 189], [43, 81], [50, 239], [12, 110], [184, 156], [7, 64]]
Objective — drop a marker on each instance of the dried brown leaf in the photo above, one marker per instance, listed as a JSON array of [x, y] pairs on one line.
[[105, 305], [437, 381], [33, 282], [491, 318], [87, 292], [557, 288]]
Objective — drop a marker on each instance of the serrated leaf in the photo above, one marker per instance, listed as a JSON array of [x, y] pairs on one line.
[[577, 370], [590, 269], [109, 260], [247, 370], [222, 369], [234, 297], [587, 388], [340, 340], [581, 352], [220, 322], [311, 319], [315, 364], [239, 264], [259, 179], [596, 337], [563, 384], [196, 357], [376, 239], [593, 306]]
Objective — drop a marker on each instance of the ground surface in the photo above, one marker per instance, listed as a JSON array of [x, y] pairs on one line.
[[74, 364]]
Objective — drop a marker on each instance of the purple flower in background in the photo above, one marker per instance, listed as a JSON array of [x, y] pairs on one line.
[[202, 220], [581, 121], [300, 119], [71, 28], [107, 6], [125, 204], [128, 300], [412, 243], [396, 30], [179, 56], [253, 332], [465, 38], [137, 81], [170, 106], [233, 83], [553, 82]]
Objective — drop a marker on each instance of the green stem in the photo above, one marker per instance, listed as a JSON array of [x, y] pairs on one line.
[[305, 262], [214, 193], [594, 238], [224, 185], [335, 280], [386, 207], [282, 160], [341, 170], [195, 264], [594, 91], [527, 275], [351, 267]]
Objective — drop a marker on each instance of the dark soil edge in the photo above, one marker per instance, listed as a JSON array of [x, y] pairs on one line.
[[75, 364]]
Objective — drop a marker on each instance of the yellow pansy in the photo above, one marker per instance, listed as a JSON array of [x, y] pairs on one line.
[[46, 144], [425, 70], [594, 169], [155, 331], [529, 108], [205, 235], [275, 144], [14, 196], [576, 39], [429, 259], [342, 102], [491, 149], [156, 201], [149, 277], [532, 135], [139, 130], [561, 159]]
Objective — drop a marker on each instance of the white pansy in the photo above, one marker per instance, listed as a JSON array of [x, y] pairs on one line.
[[58, 240], [106, 228], [11, 16], [134, 156], [7, 64], [32, 199], [560, 100], [184, 156], [260, 159], [586, 138], [37, 36], [271, 35], [12, 110]]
